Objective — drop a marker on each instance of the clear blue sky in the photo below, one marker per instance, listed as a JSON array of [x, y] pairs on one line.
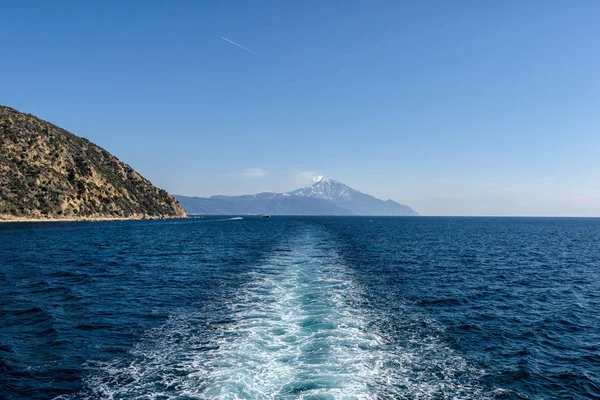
[[451, 107]]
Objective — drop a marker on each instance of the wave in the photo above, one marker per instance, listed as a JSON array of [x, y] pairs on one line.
[[300, 328]]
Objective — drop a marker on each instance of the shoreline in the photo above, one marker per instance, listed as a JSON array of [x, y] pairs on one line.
[[84, 219]]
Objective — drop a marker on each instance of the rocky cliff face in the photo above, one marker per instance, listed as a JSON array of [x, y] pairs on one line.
[[47, 172]]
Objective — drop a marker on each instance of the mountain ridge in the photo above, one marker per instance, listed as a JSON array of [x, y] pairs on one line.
[[324, 197], [357, 202]]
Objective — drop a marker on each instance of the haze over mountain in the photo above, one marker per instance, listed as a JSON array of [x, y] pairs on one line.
[[324, 197], [49, 173]]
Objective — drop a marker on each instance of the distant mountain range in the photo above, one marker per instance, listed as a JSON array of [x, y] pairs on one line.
[[324, 197]]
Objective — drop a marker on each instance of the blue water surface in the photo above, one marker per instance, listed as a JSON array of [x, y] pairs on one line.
[[301, 307]]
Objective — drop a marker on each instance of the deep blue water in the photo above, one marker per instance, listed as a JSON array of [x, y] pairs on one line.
[[301, 307]]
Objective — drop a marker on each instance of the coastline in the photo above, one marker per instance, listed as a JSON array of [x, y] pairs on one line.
[[8, 219]]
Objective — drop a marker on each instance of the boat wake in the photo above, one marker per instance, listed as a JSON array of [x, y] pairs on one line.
[[223, 219], [300, 328]]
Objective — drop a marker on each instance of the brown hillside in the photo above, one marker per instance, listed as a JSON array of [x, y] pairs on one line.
[[47, 172]]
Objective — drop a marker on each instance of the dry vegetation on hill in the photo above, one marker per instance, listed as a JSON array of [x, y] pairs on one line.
[[49, 173]]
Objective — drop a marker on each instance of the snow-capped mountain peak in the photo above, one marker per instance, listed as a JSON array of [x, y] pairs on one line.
[[325, 188], [345, 197], [324, 197]]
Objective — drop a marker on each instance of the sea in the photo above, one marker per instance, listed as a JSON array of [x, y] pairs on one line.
[[301, 308]]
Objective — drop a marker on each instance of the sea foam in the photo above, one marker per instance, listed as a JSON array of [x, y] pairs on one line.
[[301, 327]]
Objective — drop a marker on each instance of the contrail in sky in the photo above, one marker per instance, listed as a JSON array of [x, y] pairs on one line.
[[238, 45]]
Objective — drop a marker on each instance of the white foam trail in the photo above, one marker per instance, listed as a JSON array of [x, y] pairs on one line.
[[223, 219], [295, 335], [301, 328]]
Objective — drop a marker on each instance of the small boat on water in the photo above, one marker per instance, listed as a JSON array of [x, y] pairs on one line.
[[266, 216]]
